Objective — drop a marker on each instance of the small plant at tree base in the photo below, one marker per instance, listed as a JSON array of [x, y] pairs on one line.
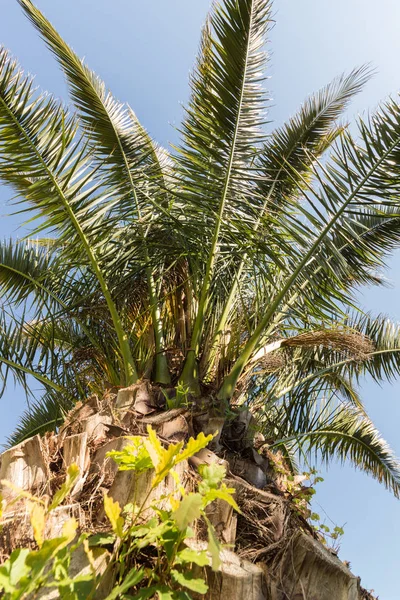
[[180, 398], [150, 558]]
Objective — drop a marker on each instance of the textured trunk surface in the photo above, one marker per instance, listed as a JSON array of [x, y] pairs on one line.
[[275, 557]]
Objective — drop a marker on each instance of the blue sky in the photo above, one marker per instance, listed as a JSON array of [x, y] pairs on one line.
[[144, 51]]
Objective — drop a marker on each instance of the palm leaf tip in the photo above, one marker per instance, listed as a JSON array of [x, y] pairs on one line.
[[352, 436], [288, 156], [344, 432]]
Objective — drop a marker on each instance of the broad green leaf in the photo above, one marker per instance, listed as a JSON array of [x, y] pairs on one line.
[[39, 559], [198, 557], [212, 475], [113, 512], [213, 547], [171, 539], [14, 570], [189, 581], [189, 509], [101, 539], [152, 536], [223, 493], [194, 445], [79, 588], [67, 486], [133, 457]]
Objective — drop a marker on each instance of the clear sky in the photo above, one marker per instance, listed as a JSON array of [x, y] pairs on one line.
[[144, 51]]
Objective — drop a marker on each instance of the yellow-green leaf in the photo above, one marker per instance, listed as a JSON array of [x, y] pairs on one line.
[[69, 530], [113, 512], [212, 475], [164, 460], [194, 445], [213, 547], [224, 493], [67, 486], [133, 457], [154, 446], [198, 557], [189, 509], [37, 515]]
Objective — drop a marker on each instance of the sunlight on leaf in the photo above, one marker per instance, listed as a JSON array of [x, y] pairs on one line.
[[67, 486], [213, 547], [113, 512], [37, 515], [134, 457], [198, 557], [194, 445], [189, 509]]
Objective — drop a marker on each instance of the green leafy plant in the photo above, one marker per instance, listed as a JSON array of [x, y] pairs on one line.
[[151, 555]]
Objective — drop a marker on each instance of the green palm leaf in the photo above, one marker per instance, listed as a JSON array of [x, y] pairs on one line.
[[359, 176], [52, 172], [222, 126], [131, 161], [348, 434]]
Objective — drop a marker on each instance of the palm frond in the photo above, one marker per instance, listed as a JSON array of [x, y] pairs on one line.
[[287, 157], [221, 129], [130, 160], [345, 433], [23, 355], [45, 414], [44, 161], [361, 175]]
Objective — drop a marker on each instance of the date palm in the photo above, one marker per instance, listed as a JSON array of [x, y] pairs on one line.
[[226, 270]]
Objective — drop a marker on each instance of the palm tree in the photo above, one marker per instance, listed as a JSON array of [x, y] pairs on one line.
[[225, 272]]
